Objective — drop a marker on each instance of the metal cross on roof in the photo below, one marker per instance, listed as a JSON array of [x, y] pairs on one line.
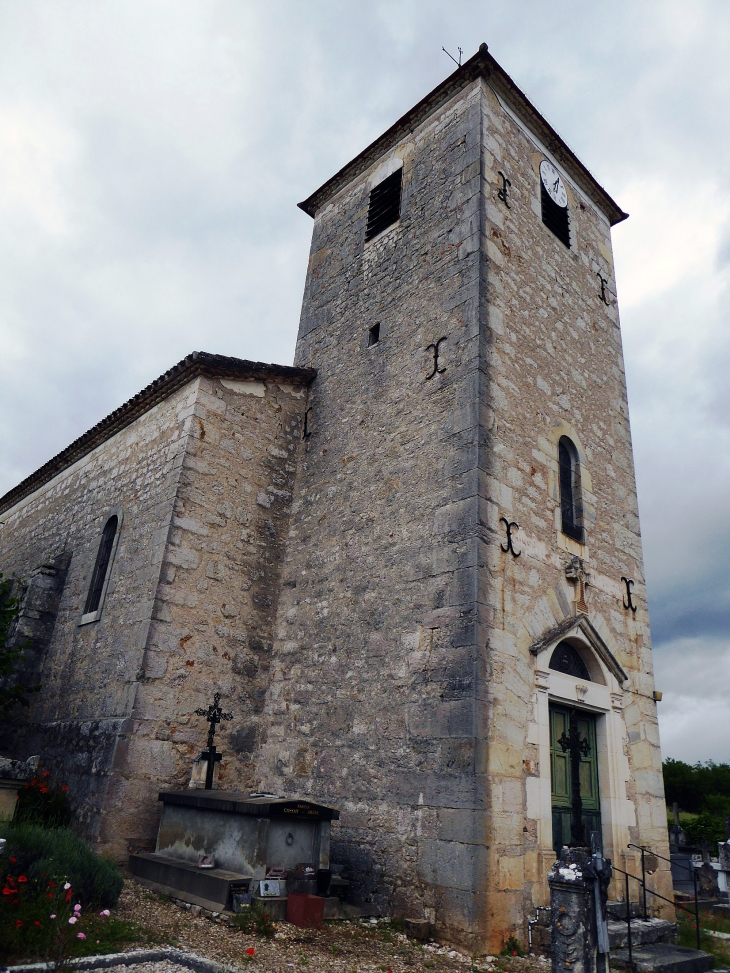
[[214, 715]]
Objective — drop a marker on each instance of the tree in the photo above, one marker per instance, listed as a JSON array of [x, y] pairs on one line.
[[13, 688], [692, 786]]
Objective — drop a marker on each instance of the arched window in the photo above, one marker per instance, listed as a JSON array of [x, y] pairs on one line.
[[567, 659], [101, 568], [571, 506]]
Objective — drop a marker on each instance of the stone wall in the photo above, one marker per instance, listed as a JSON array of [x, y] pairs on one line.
[[202, 484], [89, 673], [556, 368], [373, 699], [212, 621]]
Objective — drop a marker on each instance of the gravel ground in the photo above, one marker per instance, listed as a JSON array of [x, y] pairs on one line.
[[356, 946]]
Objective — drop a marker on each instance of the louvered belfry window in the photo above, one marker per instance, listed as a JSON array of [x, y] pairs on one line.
[[571, 505], [555, 217], [384, 208], [102, 566]]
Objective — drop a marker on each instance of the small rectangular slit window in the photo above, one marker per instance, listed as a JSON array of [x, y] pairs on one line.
[[555, 217], [374, 335], [384, 208]]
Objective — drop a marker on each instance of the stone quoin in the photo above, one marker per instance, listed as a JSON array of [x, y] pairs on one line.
[[402, 562]]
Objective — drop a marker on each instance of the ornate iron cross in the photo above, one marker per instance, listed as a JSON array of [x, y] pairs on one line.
[[577, 748], [214, 715]]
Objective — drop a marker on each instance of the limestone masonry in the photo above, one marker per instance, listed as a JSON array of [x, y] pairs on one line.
[[402, 562]]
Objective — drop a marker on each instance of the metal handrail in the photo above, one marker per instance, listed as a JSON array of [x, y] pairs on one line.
[[657, 855], [642, 882], [690, 868]]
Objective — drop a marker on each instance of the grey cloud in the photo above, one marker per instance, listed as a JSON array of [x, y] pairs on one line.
[[151, 159]]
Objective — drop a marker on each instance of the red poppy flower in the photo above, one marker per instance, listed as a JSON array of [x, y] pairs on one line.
[[46, 773], [43, 788], [49, 895], [67, 897], [37, 922], [250, 951], [13, 861], [51, 885], [8, 891], [64, 787], [22, 878], [18, 923]]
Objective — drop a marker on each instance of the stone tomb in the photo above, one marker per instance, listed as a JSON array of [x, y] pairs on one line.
[[244, 835]]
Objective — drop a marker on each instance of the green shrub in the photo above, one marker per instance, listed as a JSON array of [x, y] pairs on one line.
[[706, 827], [43, 801], [512, 947], [254, 919], [58, 854]]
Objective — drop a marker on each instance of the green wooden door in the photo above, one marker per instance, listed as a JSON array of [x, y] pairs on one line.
[[560, 776]]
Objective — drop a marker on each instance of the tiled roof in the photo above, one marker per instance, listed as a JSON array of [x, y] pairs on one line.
[[198, 363]]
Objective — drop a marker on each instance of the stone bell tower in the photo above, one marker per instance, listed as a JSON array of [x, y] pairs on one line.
[[464, 568]]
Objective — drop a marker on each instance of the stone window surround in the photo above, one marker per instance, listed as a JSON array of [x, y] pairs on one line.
[[602, 696], [559, 428], [117, 512]]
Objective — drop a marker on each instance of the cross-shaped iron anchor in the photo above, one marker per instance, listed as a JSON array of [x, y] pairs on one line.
[[577, 748], [214, 715], [603, 281], [503, 193], [509, 524], [435, 348], [629, 583]]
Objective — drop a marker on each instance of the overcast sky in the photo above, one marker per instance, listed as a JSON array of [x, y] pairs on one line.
[[152, 153]]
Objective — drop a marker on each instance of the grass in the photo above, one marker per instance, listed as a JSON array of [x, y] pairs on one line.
[[684, 818], [718, 948], [57, 852]]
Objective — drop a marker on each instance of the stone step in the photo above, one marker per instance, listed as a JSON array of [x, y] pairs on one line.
[[617, 910], [663, 958], [643, 932]]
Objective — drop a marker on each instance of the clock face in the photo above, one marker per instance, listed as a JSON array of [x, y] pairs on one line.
[[553, 183]]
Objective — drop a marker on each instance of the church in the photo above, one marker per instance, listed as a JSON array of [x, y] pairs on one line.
[[406, 563]]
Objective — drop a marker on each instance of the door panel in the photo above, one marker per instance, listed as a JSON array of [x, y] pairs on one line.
[[560, 776]]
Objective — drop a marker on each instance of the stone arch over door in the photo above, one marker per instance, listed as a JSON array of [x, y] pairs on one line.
[[600, 695]]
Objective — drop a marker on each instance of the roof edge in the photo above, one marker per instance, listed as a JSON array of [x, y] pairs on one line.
[[481, 65], [197, 363]]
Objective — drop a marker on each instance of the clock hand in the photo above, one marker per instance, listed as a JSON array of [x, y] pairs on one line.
[[555, 185]]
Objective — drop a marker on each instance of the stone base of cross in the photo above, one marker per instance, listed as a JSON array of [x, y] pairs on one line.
[[212, 757]]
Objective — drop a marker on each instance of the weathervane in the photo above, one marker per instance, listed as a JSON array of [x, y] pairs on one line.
[[214, 715], [457, 63]]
